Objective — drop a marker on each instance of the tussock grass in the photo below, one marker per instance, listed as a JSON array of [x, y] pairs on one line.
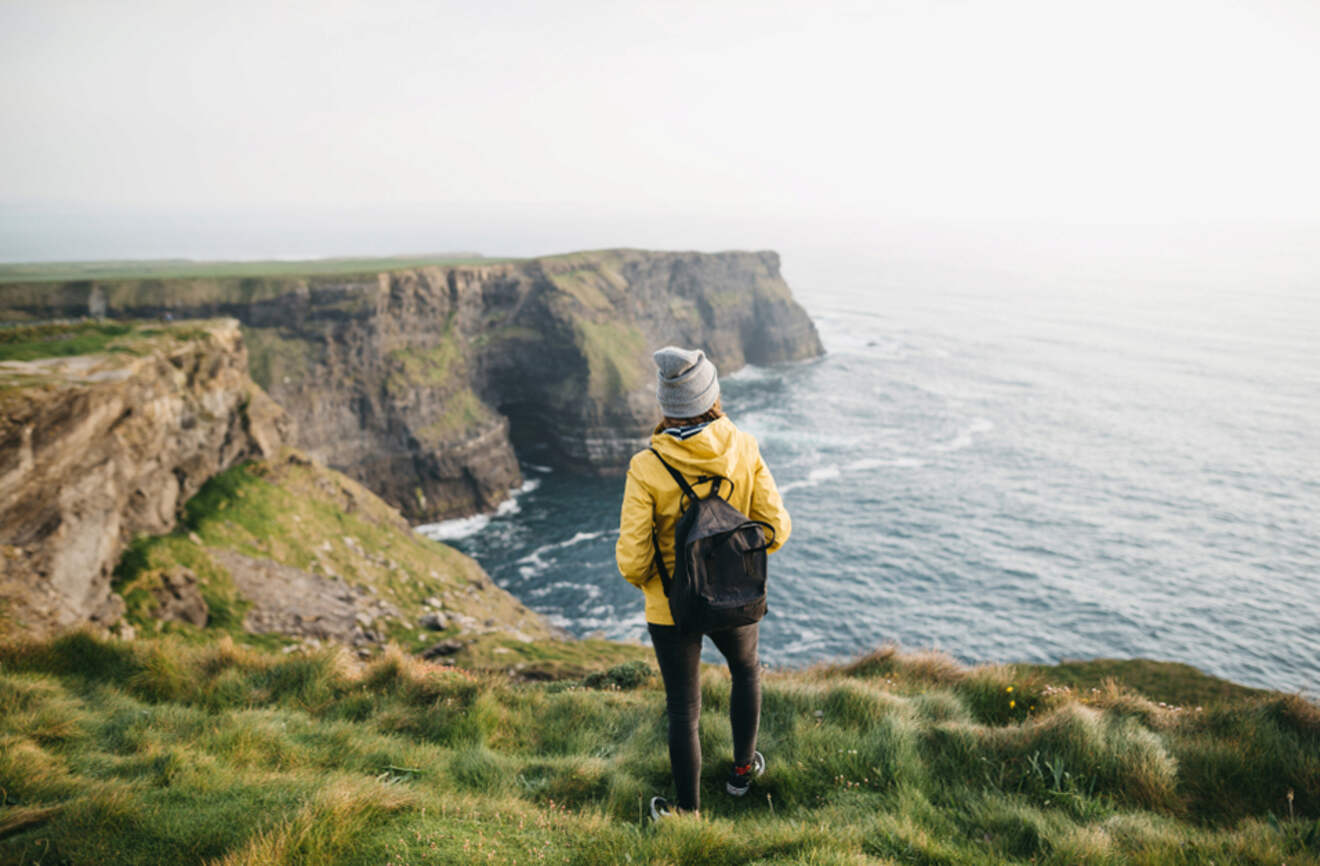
[[170, 750]]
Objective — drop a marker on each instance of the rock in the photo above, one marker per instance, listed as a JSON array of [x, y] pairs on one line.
[[442, 649], [434, 602], [434, 621], [179, 597], [95, 449], [287, 600]]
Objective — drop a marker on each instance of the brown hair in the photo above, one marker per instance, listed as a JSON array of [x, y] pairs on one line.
[[716, 411]]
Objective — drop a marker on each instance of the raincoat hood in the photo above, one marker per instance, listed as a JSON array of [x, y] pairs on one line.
[[712, 451]]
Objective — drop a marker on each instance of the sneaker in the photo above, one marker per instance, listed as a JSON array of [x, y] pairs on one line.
[[740, 778], [660, 808]]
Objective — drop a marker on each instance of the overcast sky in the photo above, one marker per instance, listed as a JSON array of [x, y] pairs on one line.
[[1108, 111]]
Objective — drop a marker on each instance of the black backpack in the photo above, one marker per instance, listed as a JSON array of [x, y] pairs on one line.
[[719, 560]]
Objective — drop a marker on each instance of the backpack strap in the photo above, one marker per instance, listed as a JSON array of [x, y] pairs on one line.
[[665, 580], [677, 476]]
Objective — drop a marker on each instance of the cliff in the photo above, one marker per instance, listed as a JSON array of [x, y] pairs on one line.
[[419, 382], [95, 448]]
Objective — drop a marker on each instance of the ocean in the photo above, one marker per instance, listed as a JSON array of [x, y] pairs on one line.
[[1021, 474]]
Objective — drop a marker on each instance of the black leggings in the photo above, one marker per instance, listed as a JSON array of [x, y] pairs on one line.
[[679, 656]]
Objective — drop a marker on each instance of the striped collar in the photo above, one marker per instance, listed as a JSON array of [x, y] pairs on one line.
[[686, 432]]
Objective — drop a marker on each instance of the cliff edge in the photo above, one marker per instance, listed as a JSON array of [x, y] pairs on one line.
[[95, 448], [419, 382]]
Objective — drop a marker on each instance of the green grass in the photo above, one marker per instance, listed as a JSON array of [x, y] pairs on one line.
[[30, 342], [160, 751], [616, 357], [586, 285], [187, 268], [433, 366]]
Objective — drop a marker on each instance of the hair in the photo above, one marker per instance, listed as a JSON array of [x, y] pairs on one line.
[[715, 411]]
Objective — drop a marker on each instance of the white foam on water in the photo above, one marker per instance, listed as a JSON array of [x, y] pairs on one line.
[[532, 564], [965, 438], [589, 589], [825, 473], [880, 463], [450, 530], [463, 527], [583, 536], [544, 470], [814, 477], [750, 373]]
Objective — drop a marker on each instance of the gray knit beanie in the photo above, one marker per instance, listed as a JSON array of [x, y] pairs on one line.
[[688, 385]]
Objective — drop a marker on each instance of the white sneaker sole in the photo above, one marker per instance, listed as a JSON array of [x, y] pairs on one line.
[[756, 773]]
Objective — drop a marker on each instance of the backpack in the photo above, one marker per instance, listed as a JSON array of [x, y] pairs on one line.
[[719, 560]]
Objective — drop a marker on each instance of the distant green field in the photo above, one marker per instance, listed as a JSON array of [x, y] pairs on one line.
[[27, 272]]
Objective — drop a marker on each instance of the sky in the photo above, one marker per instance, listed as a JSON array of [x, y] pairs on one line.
[[133, 128]]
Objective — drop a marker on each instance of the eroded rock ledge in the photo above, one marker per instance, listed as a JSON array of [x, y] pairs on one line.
[[96, 448], [419, 382]]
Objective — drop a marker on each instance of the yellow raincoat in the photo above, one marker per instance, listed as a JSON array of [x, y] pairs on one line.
[[651, 498]]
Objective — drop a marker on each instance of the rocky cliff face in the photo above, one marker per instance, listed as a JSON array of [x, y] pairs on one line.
[[95, 448], [419, 382]]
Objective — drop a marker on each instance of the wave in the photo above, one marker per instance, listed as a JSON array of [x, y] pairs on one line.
[[880, 463], [750, 373], [829, 473], [584, 536], [451, 530], [814, 477], [464, 527], [536, 467], [966, 437], [535, 563]]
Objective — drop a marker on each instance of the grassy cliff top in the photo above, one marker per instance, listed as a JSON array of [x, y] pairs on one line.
[[34, 272], [136, 269], [130, 338], [160, 751]]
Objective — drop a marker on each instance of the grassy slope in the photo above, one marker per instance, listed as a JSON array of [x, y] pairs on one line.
[[162, 751], [301, 514]]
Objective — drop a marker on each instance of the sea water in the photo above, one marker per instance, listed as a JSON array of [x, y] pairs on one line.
[[1006, 476]]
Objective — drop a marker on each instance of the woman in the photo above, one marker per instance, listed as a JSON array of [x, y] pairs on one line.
[[697, 439]]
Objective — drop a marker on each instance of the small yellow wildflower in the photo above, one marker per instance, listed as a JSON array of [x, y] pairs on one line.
[[1012, 704], [1009, 689]]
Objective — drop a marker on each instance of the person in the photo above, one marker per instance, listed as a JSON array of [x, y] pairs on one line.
[[697, 439]]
